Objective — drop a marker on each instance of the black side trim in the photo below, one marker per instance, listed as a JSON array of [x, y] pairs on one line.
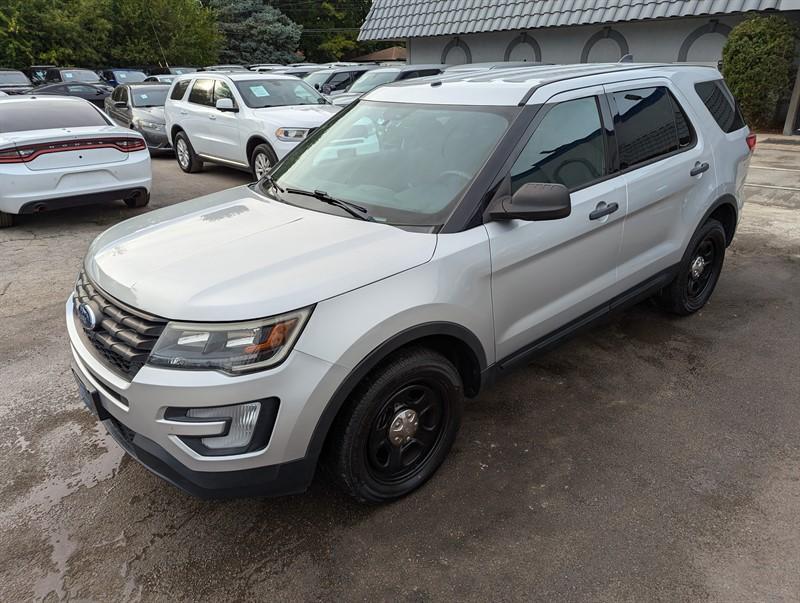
[[633, 296], [372, 360], [33, 207], [724, 200]]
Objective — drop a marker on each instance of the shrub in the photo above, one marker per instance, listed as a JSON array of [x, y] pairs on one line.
[[757, 64]]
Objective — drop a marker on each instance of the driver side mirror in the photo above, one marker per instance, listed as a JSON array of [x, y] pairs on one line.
[[225, 104], [533, 202]]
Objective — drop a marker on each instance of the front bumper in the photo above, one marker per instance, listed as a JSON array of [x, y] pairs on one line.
[[156, 140], [134, 413]]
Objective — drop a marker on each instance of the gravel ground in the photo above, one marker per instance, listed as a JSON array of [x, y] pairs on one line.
[[653, 458]]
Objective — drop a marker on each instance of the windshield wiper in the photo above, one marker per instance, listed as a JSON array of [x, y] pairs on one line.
[[351, 208]]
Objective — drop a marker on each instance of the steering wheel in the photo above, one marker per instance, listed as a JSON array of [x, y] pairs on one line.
[[458, 173], [589, 167]]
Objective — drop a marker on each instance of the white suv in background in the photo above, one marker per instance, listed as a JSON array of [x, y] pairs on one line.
[[241, 119], [343, 307]]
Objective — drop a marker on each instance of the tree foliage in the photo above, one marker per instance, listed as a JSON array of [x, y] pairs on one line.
[[757, 64], [255, 32], [95, 33], [330, 28]]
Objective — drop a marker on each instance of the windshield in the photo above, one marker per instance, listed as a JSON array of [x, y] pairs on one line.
[[258, 94], [373, 79], [317, 77], [151, 96], [80, 75], [129, 76], [13, 78], [406, 163], [182, 70]]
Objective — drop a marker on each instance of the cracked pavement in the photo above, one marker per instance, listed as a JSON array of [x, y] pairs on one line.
[[650, 458]]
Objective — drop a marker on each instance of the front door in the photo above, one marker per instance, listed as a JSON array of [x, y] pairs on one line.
[[546, 274]]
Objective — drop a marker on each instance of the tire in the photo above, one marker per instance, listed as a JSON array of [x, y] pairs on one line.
[[262, 152], [6, 220], [140, 199], [188, 160], [698, 272], [361, 455]]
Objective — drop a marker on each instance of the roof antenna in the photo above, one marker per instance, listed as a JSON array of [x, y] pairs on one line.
[[628, 58]]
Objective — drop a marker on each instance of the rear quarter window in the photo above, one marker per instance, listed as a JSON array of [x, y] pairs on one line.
[[720, 103], [179, 89]]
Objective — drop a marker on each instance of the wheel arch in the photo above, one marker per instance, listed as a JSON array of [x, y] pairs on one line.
[[726, 211], [253, 142], [174, 132], [457, 343]]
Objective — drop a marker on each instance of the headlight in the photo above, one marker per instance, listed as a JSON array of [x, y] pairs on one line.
[[230, 347], [291, 134], [151, 125]]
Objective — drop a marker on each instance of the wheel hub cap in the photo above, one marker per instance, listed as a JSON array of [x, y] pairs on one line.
[[697, 267], [403, 427]]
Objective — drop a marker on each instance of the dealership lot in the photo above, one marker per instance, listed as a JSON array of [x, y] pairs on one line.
[[652, 457]]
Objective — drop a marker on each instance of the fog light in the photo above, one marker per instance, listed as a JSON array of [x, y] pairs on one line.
[[243, 417]]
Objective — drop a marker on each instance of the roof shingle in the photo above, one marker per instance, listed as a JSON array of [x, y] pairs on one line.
[[396, 19]]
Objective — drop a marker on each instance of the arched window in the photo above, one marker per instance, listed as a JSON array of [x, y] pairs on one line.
[[523, 48], [456, 52], [704, 44], [607, 45]]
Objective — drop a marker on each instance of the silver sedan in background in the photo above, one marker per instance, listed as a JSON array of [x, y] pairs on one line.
[[141, 107]]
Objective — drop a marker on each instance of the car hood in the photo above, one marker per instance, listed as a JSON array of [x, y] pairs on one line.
[[238, 255], [154, 114], [309, 116]]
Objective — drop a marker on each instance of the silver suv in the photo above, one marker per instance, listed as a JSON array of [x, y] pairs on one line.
[[413, 248]]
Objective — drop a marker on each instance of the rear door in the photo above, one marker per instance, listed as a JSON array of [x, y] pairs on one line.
[[546, 274], [223, 127], [667, 167], [197, 120]]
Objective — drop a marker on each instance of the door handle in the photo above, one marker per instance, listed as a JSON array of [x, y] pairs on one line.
[[699, 168], [603, 210], [184, 112]]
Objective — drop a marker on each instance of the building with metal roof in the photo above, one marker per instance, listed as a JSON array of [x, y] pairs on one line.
[[562, 31], [567, 31]]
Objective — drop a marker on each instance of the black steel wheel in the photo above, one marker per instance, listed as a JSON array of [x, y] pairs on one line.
[[698, 271], [397, 427]]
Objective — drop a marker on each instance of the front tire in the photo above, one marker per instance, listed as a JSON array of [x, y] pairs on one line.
[[261, 160], [188, 160], [698, 272], [398, 427]]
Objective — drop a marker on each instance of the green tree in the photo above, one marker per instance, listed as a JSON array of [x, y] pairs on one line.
[[150, 32], [757, 64], [330, 28], [255, 32]]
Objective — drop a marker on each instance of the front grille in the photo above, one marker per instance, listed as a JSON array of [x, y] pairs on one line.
[[122, 338]]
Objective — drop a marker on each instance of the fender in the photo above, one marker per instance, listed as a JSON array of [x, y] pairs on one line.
[[726, 199], [373, 359]]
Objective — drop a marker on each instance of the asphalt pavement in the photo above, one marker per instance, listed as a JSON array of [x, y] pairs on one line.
[[652, 458]]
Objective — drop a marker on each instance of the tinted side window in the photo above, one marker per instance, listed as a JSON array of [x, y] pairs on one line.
[[685, 132], [123, 95], [340, 81], [202, 93], [179, 90], [645, 125], [566, 148], [720, 103], [221, 90]]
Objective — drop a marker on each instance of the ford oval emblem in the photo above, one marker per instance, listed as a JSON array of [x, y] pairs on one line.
[[87, 317]]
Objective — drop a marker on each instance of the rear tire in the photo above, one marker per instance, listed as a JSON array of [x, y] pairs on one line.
[[188, 160], [140, 199], [698, 271], [6, 220], [261, 160], [397, 427]]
